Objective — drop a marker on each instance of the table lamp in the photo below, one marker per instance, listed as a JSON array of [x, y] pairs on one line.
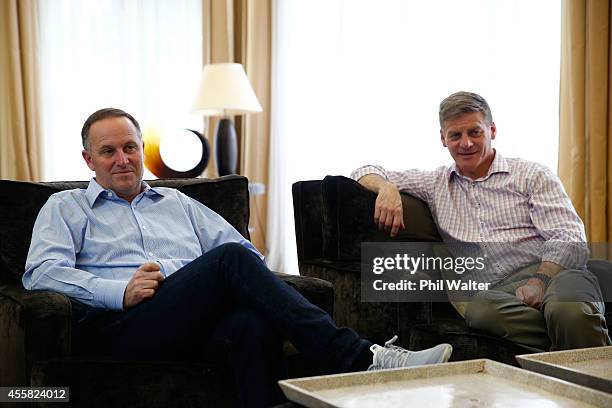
[[224, 91]]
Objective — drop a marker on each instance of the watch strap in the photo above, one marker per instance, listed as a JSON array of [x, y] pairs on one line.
[[543, 277]]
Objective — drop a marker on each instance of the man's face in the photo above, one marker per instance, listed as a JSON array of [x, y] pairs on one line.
[[116, 155], [468, 139]]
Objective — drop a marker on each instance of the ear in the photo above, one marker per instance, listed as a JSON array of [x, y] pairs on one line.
[[442, 138], [88, 160], [493, 130]]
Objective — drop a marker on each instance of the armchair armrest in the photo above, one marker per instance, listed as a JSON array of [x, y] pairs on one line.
[[36, 326]]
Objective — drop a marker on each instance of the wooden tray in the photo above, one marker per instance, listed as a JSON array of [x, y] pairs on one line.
[[591, 367], [474, 383]]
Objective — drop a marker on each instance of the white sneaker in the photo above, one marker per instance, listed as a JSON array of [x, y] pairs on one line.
[[391, 356]]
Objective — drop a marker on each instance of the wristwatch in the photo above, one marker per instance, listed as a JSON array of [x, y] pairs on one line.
[[543, 277]]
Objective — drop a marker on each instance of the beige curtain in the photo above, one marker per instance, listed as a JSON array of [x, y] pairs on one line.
[[585, 148], [240, 31], [20, 157]]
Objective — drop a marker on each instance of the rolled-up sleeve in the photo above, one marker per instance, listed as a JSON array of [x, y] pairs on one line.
[[369, 169], [418, 183]]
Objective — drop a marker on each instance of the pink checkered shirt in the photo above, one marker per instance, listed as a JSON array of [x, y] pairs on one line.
[[518, 206]]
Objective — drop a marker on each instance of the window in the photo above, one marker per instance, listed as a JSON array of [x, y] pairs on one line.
[[143, 56], [359, 82]]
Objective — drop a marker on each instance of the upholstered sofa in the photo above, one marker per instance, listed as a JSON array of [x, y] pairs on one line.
[[333, 217], [37, 346]]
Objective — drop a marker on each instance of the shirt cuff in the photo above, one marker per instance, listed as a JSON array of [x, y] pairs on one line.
[[162, 267], [109, 294], [369, 169], [569, 255]]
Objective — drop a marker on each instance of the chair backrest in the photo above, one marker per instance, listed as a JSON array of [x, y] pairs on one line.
[[20, 203], [335, 215]]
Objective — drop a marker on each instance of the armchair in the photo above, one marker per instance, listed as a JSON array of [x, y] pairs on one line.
[[333, 217], [37, 346]]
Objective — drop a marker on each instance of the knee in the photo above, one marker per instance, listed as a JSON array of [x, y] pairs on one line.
[[233, 253], [233, 249], [575, 325], [569, 313]]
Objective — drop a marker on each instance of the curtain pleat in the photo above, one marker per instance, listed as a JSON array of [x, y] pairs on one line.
[[585, 148], [20, 138], [240, 31]]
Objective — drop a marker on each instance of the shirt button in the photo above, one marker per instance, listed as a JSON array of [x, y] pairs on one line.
[[108, 193], [144, 227], [150, 253]]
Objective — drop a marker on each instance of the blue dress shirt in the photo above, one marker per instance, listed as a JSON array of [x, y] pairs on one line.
[[87, 244]]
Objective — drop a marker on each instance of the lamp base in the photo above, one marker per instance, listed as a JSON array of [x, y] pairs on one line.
[[226, 147]]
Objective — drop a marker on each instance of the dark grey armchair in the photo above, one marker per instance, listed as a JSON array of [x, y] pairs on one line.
[[37, 346], [333, 217]]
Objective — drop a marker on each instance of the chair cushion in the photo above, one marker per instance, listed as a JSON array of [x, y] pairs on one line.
[[20, 203]]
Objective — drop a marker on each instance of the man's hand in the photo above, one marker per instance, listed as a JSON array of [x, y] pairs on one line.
[[143, 285], [389, 213], [532, 293]]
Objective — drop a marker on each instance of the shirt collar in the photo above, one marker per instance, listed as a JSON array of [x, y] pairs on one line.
[[94, 190], [499, 165]]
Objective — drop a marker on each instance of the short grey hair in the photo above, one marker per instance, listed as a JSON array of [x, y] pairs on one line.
[[103, 114], [461, 103]]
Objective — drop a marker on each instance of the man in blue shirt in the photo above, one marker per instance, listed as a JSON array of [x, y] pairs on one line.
[[154, 274]]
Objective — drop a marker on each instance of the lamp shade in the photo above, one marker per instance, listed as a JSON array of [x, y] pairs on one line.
[[225, 90]]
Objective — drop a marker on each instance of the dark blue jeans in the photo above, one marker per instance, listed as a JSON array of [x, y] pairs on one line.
[[226, 303]]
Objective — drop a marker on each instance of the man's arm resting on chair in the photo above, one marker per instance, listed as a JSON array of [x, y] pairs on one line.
[[388, 212]]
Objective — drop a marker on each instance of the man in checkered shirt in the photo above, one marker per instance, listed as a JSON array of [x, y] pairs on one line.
[[511, 206]]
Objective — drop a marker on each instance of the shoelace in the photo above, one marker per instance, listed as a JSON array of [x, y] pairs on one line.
[[385, 359], [389, 343]]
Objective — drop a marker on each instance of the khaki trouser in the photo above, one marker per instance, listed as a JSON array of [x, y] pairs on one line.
[[562, 322]]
